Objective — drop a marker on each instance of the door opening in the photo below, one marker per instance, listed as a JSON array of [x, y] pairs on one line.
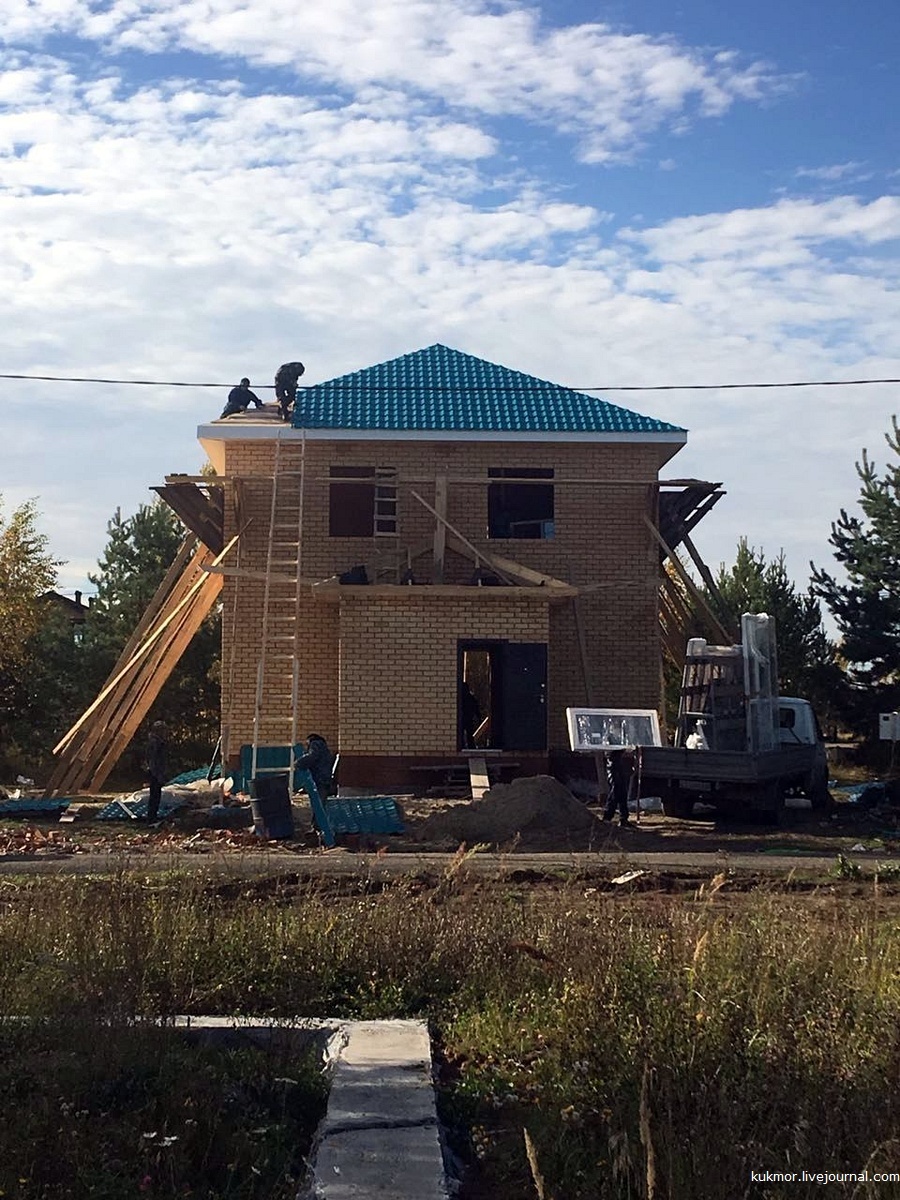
[[501, 695], [477, 674]]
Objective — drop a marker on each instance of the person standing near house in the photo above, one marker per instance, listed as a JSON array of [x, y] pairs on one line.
[[286, 385], [319, 761], [240, 398], [157, 749], [618, 780], [471, 715]]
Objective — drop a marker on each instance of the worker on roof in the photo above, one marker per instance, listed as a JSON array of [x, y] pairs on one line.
[[286, 386], [240, 398]]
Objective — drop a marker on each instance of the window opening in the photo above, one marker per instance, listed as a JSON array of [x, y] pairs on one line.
[[362, 502], [520, 509]]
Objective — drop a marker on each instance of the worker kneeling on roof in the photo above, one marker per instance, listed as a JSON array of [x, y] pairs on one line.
[[240, 398]]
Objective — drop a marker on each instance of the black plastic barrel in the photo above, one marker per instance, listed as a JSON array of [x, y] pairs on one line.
[[271, 806]]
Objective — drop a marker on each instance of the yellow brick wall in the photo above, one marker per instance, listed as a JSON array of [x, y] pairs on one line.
[[398, 666], [601, 544]]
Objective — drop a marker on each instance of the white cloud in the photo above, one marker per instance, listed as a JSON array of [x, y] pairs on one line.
[[203, 228], [608, 88]]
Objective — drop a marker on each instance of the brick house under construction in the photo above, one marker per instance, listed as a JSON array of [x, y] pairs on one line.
[[428, 522]]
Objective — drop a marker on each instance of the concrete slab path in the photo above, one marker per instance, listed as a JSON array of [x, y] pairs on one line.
[[380, 1135]]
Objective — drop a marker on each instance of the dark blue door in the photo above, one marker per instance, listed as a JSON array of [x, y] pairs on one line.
[[523, 679]]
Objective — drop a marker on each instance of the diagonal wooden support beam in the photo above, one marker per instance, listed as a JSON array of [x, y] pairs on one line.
[[718, 628]]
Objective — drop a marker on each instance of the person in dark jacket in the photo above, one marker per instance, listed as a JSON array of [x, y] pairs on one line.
[[156, 767], [240, 398], [618, 779], [471, 715], [319, 761], [286, 386]]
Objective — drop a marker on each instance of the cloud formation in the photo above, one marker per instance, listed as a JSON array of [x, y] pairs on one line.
[[203, 191]]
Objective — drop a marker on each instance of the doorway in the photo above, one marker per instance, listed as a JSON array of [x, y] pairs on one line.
[[501, 695]]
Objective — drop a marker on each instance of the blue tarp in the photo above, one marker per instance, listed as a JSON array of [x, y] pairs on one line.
[[36, 806]]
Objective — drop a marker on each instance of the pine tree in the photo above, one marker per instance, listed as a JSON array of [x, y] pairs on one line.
[[866, 604], [27, 571], [807, 664]]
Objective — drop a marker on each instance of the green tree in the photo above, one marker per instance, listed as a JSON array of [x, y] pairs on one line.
[[866, 602], [807, 665], [27, 571]]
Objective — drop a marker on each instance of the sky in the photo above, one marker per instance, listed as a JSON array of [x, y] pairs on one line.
[[624, 193]]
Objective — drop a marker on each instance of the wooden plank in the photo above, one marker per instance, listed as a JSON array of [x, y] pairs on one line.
[[60, 777], [476, 554], [695, 592], [144, 649], [80, 754], [522, 573], [334, 592], [148, 686], [582, 651], [440, 528], [478, 776], [195, 510]]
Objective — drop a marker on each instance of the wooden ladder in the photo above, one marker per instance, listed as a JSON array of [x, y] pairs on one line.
[[276, 709]]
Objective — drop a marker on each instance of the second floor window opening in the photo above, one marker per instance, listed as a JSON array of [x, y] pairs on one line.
[[518, 507], [362, 502]]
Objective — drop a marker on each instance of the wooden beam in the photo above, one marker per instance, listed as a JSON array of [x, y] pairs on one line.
[[335, 592], [152, 680], [440, 528], [695, 592], [142, 650], [477, 554]]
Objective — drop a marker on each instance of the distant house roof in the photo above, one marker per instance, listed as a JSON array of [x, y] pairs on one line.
[[445, 390]]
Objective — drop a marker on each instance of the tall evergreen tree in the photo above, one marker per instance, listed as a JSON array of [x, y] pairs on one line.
[[27, 571], [866, 602], [806, 658]]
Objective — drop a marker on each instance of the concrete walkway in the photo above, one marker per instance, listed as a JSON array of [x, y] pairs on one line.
[[380, 1135]]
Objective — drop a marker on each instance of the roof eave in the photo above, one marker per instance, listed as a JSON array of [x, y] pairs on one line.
[[246, 431]]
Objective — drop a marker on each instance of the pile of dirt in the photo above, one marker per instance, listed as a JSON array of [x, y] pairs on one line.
[[536, 809]]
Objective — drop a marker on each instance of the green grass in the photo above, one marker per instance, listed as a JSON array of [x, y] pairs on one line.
[[114, 1111], [657, 1046]]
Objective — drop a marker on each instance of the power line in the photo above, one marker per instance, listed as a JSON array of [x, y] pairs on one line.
[[642, 387]]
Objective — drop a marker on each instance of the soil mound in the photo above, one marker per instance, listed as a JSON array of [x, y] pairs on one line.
[[535, 808]]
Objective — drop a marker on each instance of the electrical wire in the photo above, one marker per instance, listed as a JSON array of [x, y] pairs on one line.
[[643, 387]]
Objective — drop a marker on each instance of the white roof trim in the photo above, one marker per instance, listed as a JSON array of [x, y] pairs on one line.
[[246, 431]]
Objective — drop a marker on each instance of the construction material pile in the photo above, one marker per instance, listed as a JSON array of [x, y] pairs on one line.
[[536, 810]]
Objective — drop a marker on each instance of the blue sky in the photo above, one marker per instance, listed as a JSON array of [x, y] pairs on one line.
[[596, 193]]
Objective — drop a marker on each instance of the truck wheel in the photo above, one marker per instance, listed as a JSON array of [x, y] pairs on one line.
[[819, 795]]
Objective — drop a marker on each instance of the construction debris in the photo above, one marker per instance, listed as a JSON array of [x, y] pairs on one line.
[[535, 808]]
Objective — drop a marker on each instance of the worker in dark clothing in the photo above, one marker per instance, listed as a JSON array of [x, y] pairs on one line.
[[319, 761], [156, 767], [240, 398], [618, 779], [286, 386], [471, 715]]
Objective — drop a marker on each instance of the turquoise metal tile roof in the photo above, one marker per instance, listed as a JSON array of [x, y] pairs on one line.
[[442, 389]]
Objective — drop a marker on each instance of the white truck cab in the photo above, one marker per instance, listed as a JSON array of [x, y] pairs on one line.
[[798, 725]]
